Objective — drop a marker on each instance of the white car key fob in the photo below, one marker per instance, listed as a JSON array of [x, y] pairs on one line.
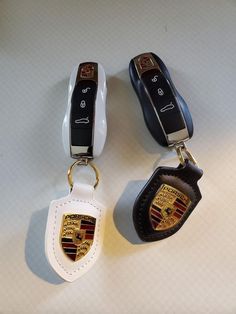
[[74, 232], [84, 127]]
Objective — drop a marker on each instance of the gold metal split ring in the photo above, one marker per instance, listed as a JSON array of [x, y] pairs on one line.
[[82, 162]]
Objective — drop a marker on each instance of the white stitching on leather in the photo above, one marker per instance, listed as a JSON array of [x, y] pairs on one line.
[[54, 228]]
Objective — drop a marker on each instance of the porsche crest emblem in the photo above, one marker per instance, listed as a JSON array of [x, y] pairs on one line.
[[167, 207], [77, 235]]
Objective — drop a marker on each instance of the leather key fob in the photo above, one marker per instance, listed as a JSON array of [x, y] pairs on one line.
[[166, 201]]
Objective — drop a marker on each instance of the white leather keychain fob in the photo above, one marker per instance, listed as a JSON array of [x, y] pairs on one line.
[[74, 232]]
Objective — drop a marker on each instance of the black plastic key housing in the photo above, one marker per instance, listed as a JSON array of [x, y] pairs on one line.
[[83, 107], [165, 112]]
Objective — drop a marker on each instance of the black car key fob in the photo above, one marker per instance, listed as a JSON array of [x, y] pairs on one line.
[[171, 194], [165, 112]]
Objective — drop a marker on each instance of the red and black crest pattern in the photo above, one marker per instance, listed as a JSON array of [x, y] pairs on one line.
[[77, 235], [167, 207]]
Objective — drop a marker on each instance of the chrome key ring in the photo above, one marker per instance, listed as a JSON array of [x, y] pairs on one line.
[[183, 153]]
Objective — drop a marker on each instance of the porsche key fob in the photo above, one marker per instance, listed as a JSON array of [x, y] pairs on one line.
[[75, 225], [84, 126], [171, 194], [165, 112]]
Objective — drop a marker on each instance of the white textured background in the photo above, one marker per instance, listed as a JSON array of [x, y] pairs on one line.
[[40, 41]]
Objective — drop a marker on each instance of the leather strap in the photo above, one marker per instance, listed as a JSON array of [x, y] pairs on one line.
[[79, 201], [184, 178]]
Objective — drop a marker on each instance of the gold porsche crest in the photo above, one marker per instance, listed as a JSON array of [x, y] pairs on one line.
[[167, 207], [77, 235]]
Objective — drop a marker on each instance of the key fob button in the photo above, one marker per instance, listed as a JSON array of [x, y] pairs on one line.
[[81, 121], [164, 101], [82, 112], [83, 96], [151, 78]]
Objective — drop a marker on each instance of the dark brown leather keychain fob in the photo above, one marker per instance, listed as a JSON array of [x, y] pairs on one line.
[[171, 194]]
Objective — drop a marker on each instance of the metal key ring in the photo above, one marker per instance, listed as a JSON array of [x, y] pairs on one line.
[[82, 162], [181, 149]]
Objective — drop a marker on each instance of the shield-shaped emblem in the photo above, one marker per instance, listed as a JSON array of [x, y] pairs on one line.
[[168, 207], [77, 235]]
